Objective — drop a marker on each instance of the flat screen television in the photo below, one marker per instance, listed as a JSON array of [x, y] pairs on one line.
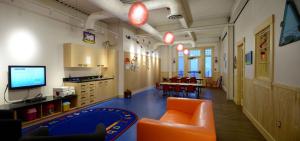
[[22, 77]]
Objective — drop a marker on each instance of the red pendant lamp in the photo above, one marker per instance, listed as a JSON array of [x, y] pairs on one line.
[[138, 14], [169, 38], [179, 47], [186, 51]]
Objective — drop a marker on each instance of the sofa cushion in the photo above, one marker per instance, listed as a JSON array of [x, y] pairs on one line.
[[174, 116]]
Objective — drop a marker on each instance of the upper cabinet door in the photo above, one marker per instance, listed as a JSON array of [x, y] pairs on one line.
[[101, 57], [79, 56]]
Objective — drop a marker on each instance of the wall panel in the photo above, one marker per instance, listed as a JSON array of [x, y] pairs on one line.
[[274, 110]]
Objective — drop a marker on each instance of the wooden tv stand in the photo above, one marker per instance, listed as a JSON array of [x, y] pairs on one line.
[[19, 108]]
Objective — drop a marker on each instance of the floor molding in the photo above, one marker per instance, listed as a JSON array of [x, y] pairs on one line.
[[224, 88], [141, 90], [260, 128]]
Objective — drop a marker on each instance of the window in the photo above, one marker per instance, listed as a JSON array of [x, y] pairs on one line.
[[208, 62], [195, 53], [180, 64], [194, 70], [199, 63]]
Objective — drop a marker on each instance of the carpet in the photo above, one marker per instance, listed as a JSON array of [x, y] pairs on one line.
[[116, 121]]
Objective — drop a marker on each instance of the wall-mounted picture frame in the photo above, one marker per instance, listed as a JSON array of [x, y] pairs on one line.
[[89, 37], [290, 26], [249, 58]]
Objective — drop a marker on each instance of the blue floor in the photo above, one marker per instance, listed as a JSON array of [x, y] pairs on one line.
[[231, 123], [150, 104]]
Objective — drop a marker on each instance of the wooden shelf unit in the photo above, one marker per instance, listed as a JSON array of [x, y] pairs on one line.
[[20, 109]]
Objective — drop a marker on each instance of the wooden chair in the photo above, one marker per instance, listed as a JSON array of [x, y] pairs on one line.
[[165, 79], [157, 86], [174, 80], [177, 89], [209, 82], [166, 89], [183, 80], [190, 89], [193, 80]]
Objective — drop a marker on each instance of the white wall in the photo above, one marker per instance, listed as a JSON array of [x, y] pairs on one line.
[[47, 33], [287, 58], [227, 61]]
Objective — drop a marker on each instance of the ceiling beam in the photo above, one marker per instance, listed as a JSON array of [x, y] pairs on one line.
[[187, 11], [192, 35], [237, 9], [191, 29], [195, 24]]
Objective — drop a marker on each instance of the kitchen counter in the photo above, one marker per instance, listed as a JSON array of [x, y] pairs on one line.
[[85, 79]]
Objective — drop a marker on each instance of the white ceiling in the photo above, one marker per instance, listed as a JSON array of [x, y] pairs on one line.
[[207, 9], [199, 11]]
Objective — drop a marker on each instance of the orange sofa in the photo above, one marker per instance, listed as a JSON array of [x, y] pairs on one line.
[[184, 120]]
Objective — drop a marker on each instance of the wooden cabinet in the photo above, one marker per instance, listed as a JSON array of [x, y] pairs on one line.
[[95, 91], [101, 57], [105, 89], [81, 56], [86, 92], [99, 91]]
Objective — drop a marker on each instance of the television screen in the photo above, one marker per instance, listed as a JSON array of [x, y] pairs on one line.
[[20, 77]]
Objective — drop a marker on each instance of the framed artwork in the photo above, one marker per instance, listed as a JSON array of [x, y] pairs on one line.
[[249, 58], [89, 37], [264, 36], [290, 26]]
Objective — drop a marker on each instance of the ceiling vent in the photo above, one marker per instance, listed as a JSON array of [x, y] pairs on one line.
[[174, 17], [128, 1]]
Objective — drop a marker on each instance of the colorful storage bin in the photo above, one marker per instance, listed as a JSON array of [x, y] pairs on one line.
[[66, 106], [31, 114]]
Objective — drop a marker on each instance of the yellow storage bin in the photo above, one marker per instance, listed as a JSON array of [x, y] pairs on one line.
[[66, 106]]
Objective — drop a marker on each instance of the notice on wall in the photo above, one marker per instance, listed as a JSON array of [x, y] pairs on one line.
[[89, 37]]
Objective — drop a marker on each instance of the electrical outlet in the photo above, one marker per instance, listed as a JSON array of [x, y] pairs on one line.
[[278, 124]]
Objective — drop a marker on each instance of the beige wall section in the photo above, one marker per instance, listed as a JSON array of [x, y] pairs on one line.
[[145, 75], [274, 108]]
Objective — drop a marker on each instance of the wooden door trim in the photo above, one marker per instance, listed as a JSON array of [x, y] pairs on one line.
[[241, 43]]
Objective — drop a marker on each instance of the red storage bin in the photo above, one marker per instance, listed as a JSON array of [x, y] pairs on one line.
[[50, 108], [31, 114]]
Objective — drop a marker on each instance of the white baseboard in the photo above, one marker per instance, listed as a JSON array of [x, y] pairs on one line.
[[138, 91], [260, 128], [143, 89], [224, 88]]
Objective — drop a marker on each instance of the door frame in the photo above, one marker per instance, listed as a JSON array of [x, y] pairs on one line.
[[240, 88]]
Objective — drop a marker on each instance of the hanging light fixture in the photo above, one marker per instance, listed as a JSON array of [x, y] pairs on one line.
[[179, 47], [169, 38], [138, 14], [186, 51]]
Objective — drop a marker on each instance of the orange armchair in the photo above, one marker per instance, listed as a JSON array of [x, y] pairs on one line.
[[184, 120]]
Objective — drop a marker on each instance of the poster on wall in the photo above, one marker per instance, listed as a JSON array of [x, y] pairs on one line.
[[89, 37], [248, 58], [290, 26]]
